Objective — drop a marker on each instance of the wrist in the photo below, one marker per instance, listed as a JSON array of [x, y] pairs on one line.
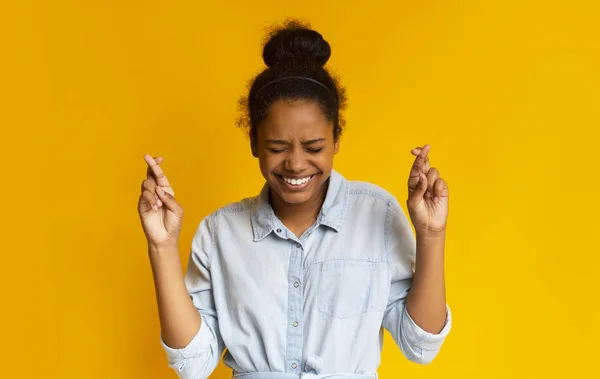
[[430, 244], [164, 248], [427, 234]]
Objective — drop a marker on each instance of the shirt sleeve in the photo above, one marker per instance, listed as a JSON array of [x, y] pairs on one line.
[[199, 358], [416, 344]]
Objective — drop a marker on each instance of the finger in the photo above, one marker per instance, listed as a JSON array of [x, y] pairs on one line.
[[417, 194], [440, 189], [432, 176], [170, 202], [149, 173], [418, 166], [156, 171], [147, 202], [150, 185], [427, 165]]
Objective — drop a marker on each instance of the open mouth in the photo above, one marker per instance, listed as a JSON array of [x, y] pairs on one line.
[[296, 183]]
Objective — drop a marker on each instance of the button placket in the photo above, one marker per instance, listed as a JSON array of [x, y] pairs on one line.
[[295, 307]]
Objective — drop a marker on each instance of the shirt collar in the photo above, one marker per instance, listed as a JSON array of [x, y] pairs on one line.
[[332, 212]]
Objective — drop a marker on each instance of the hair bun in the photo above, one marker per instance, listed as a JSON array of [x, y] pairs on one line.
[[296, 44]]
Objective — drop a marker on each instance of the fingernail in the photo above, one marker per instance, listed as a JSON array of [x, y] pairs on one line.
[[160, 191], [159, 203], [154, 207]]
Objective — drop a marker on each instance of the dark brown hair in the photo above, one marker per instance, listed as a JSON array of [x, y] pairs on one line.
[[295, 56]]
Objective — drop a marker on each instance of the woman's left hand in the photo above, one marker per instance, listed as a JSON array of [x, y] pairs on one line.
[[427, 195]]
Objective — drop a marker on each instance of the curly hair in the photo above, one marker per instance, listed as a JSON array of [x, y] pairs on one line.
[[295, 56]]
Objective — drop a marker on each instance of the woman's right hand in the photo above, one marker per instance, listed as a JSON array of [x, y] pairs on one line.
[[160, 213]]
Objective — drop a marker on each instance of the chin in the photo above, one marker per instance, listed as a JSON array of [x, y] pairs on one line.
[[294, 198]]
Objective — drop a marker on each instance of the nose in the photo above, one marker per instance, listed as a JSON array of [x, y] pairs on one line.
[[295, 161]]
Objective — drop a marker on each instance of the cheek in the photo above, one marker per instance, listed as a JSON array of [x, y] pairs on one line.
[[268, 162], [325, 161]]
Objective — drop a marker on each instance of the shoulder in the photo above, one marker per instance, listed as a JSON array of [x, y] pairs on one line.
[[365, 198], [233, 217], [222, 223], [357, 190], [241, 208]]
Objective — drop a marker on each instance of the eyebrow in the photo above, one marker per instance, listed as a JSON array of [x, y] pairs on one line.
[[284, 142]]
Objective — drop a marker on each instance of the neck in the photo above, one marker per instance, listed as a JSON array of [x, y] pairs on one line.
[[298, 217]]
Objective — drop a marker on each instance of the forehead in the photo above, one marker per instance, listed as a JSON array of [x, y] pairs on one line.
[[295, 118]]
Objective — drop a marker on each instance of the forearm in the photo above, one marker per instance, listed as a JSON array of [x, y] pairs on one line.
[[426, 301], [179, 319]]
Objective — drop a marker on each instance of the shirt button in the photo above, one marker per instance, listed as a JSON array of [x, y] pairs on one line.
[[278, 230], [296, 284], [294, 365], [295, 324], [298, 245]]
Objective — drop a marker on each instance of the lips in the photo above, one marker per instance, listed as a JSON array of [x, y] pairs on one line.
[[295, 183]]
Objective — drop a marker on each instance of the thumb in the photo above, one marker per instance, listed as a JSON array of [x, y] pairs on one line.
[[170, 202]]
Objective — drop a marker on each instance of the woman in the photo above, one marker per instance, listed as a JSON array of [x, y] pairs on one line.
[[298, 281]]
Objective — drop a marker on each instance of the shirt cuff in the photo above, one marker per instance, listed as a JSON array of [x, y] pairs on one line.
[[422, 338], [197, 346]]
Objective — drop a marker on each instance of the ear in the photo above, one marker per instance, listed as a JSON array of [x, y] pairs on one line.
[[336, 146], [253, 147]]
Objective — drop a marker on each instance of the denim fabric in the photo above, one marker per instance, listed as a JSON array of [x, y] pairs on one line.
[[309, 307]]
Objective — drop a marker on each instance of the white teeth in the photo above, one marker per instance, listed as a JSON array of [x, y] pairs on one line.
[[297, 182]]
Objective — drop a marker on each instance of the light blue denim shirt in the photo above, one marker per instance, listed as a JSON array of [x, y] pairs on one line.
[[309, 307]]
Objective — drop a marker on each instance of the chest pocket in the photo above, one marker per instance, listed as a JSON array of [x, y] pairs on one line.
[[353, 287]]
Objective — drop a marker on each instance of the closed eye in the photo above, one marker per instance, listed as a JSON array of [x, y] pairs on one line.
[[277, 151], [314, 151]]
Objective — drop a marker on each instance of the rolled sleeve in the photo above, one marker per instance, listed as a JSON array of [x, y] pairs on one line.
[[196, 359], [416, 344], [419, 338], [196, 348]]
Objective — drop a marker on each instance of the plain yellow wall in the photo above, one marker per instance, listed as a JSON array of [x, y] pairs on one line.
[[506, 92]]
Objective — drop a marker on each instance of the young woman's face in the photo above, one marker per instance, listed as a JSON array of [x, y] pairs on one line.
[[295, 148]]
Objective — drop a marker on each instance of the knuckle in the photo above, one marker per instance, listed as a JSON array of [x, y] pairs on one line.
[[148, 185]]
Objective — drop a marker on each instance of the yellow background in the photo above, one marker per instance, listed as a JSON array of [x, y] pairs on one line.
[[506, 92]]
